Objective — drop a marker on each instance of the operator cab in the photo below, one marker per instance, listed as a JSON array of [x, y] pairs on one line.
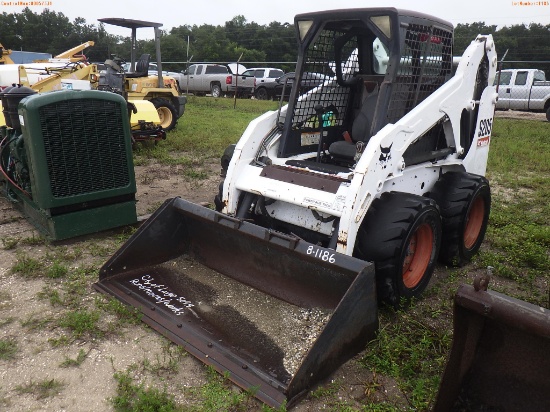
[[375, 66]]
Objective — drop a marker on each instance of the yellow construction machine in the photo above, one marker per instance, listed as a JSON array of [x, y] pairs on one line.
[[5, 55], [71, 54], [137, 84], [144, 118], [70, 71]]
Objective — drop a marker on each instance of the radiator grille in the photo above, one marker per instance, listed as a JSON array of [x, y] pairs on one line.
[[85, 147]]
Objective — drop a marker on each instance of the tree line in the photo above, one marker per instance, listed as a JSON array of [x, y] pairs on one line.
[[274, 43]]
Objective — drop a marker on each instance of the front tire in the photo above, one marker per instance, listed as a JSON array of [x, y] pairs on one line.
[[401, 234], [548, 114], [261, 94], [465, 202], [167, 113]]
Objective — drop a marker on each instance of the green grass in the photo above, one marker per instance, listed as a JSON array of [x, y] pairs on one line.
[[57, 270], [69, 362], [217, 395], [46, 388], [28, 267], [81, 322], [208, 126], [126, 314], [8, 348], [519, 225], [10, 243], [412, 352], [167, 362], [32, 241], [133, 397]]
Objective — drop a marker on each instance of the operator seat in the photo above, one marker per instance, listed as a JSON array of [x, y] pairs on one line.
[[142, 67], [362, 123]]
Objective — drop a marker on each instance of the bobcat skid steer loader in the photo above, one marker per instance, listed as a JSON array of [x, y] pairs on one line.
[[341, 199]]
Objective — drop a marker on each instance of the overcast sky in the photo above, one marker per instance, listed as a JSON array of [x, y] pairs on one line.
[[173, 13]]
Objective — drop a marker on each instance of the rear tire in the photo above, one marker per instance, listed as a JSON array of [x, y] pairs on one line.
[[215, 90], [548, 114], [401, 234], [167, 113], [465, 202]]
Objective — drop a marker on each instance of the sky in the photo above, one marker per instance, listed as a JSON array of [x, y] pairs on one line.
[[174, 13]]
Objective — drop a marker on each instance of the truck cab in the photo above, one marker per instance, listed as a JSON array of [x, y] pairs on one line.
[[521, 89]]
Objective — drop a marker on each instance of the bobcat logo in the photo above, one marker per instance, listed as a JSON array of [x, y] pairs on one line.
[[385, 155]]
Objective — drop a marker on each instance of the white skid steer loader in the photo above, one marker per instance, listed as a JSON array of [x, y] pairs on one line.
[[342, 198], [385, 159]]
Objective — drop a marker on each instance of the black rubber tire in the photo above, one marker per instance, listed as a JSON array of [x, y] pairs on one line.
[[401, 234], [548, 114], [261, 94], [167, 113], [215, 90], [464, 202], [218, 198]]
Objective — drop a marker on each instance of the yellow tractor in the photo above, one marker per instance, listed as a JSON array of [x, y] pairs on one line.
[[138, 84], [149, 118], [5, 55]]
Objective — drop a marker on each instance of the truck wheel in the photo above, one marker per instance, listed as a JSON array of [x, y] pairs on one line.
[[465, 202], [215, 90], [401, 234], [261, 94], [548, 114], [167, 113]]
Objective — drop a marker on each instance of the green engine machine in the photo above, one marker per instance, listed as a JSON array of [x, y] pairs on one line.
[[66, 159]]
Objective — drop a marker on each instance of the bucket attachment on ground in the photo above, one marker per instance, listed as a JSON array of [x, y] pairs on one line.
[[500, 358], [274, 313]]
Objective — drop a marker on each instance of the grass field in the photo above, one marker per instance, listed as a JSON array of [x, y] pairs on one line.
[[411, 347]]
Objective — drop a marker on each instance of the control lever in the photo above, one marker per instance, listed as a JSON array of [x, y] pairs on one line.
[[320, 110]]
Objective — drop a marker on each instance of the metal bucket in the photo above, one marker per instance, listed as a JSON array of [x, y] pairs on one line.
[[274, 313], [500, 357]]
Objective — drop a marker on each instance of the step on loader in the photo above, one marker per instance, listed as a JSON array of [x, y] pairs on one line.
[[340, 200]]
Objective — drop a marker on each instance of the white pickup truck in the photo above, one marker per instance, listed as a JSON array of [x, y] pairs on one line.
[[218, 80], [523, 89]]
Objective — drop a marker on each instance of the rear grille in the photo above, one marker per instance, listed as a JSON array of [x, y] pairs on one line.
[[426, 63], [85, 147]]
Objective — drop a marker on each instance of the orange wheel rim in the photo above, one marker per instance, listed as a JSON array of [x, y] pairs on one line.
[[474, 223], [418, 255]]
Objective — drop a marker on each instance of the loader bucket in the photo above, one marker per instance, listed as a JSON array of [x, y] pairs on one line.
[[272, 312], [500, 357]]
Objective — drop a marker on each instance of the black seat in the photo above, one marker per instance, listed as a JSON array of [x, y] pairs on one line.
[[362, 123], [142, 67]]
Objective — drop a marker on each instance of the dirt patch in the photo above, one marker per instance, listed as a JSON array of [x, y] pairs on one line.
[[515, 114], [156, 183], [28, 319]]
